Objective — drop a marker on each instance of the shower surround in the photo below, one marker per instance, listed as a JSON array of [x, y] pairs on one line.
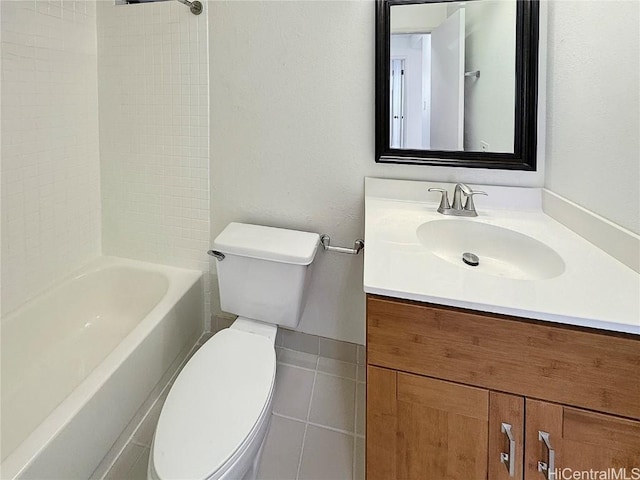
[[154, 132], [105, 148], [50, 156]]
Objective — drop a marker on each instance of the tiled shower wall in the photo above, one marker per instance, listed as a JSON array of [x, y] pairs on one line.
[[50, 162], [154, 133]]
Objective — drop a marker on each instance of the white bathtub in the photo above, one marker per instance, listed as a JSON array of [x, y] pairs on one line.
[[79, 360]]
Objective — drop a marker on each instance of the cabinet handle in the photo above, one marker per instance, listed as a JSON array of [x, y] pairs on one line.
[[509, 459], [549, 467]]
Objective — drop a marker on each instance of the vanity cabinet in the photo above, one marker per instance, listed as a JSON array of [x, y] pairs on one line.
[[447, 388]]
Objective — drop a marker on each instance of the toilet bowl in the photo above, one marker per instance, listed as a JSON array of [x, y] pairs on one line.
[[216, 417]]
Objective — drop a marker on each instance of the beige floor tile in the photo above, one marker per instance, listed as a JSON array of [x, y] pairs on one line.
[[281, 453], [293, 391], [297, 359], [333, 402], [347, 352], [361, 354], [336, 367], [326, 455], [223, 322], [124, 463], [360, 408], [299, 341]]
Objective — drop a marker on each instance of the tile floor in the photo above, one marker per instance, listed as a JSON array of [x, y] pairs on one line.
[[317, 427]]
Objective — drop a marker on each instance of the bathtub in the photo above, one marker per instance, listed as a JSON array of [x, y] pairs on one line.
[[79, 360]]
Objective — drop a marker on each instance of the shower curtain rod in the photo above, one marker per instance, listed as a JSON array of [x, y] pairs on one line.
[[195, 6]]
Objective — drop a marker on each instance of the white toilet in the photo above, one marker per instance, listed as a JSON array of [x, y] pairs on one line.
[[216, 416]]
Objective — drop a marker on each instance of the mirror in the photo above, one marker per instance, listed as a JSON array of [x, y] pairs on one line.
[[456, 83]]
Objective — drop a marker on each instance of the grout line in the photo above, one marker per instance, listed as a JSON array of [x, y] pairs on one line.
[[333, 429], [331, 374], [299, 420], [304, 437], [355, 429], [313, 387], [306, 425], [354, 458], [319, 425], [320, 356], [338, 376], [297, 366]]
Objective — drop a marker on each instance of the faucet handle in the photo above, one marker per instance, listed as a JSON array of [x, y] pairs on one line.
[[469, 205], [444, 200]]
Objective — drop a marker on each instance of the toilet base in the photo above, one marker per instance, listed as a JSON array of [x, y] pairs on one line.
[[250, 458], [267, 330], [252, 473]]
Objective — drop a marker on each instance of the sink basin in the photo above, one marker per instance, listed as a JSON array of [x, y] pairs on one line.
[[500, 251]]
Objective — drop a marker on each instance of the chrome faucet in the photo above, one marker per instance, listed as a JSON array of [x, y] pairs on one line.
[[458, 209]]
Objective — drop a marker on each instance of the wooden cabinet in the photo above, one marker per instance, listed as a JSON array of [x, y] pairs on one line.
[[458, 395], [581, 441], [420, 427], [506, 436]]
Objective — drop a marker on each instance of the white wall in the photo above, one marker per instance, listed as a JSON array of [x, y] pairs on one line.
[[50, 166], [490, 99], [154, 127], [292, 136], [593, 108], [419, 18]]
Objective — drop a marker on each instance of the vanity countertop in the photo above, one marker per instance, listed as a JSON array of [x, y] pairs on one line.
[[595, 290]]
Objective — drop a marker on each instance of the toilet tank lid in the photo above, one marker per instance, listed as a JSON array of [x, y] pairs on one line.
[[268, 243]]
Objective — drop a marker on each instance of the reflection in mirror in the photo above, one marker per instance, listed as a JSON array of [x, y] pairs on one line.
[[452, 76]]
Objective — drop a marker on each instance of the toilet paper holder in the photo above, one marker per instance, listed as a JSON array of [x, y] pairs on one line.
[[358, 245]]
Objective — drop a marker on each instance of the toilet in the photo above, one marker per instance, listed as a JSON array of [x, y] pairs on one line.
[[216, 417]]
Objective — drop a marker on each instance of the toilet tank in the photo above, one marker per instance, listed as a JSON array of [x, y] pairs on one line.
[[265, 272]]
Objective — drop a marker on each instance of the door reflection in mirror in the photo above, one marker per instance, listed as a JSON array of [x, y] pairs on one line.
[[397, 98], [452, 76], [410, 120]]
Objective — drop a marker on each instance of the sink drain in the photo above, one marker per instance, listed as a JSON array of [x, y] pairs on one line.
[[470, 259]]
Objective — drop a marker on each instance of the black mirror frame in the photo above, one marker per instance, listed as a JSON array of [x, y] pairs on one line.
[[526, 101]]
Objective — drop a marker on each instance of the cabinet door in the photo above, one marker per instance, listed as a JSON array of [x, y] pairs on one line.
[[422, 428], [382, 424], [506, 436], [581, 441]]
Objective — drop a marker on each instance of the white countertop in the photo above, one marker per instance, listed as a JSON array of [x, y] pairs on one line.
[[595, 290]]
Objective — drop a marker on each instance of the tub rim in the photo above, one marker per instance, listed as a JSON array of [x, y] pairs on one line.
[[180, 281]]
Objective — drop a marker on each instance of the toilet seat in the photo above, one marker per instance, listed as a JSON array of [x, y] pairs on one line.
[[215, 406]]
